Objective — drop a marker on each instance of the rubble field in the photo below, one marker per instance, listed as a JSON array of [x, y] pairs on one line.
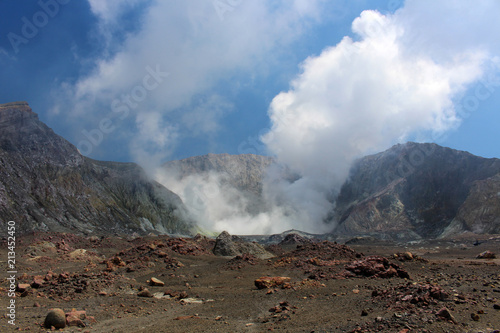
[[165, 284]]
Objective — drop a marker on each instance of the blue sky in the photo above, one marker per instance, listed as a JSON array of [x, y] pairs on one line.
[[150, 81]]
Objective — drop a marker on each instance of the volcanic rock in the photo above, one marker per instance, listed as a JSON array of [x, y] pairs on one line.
[[144, 293], [415, 191], [22, 287], [376, 266], [227, 245], [46, 184], [294, 239], [155, 282], [486, 255], [445, 314], [272, 282], [55, 318], [37, 283]]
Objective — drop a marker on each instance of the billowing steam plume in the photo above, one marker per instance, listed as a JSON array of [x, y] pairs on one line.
[[401, 77]]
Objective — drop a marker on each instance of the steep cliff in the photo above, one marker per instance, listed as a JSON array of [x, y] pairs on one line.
[[415, 191], [46, 184], [244, 172]]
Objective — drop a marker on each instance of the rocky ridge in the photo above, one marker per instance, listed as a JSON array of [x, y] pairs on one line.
[[415, 191], [46, 184]]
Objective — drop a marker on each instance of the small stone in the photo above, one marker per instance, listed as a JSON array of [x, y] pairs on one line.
[[22, 287], [37, 283], [155, 282], [474, 316], [486, 255], [74, 321], [364, 313], [78, 314], [355, 291], [144, 293], [496, 306], [186, 317], [444, 313], [267, 282], [55, 318]]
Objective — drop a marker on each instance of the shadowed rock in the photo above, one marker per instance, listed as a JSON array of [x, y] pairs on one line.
[[227, 245]]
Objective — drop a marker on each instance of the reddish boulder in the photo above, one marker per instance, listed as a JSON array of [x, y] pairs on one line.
[[375, 266], [486, 255], [271, 282]]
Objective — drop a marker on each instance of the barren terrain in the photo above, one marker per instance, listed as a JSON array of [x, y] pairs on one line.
[[433, 286]]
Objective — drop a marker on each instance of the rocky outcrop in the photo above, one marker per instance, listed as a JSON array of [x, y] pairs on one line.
[[480, 213], [46, 184], [227, 245], [414, 191], [244, 172]]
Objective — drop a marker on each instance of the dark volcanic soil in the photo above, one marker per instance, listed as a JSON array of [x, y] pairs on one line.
[[364, 287]]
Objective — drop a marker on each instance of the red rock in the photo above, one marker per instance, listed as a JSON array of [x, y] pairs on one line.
[[118, 261], [445, 314], [376, 266], [155, 282], [145, 293], [486, 255], [74, 321], [186, 317], [78, 314], [22, 287], [48, 276], [271, 282], [37, 283]]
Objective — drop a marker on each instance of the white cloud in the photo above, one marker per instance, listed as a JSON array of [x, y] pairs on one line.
[[108, 11], [155, 140], [399, 77], [195, 44]]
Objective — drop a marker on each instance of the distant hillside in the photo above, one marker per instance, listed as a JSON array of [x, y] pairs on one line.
[[411, 191], [420, 191], [244, 172], [46, 184]]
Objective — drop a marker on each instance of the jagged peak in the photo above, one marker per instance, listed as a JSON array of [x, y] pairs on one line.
[[16, 105]]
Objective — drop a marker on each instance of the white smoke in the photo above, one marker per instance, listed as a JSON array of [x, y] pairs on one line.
[[400, 76], [216, 205], [398, 79]]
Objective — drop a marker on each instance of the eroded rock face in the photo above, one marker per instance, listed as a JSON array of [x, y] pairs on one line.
[[227, 245], [46, 184], [414, 191], [480, 213], [244, 172]]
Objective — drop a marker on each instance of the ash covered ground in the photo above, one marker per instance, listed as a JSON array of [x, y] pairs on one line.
[[166, 284]]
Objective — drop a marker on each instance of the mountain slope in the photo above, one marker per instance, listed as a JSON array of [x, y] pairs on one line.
[[244, 172], [46, 184], [416, 191]]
